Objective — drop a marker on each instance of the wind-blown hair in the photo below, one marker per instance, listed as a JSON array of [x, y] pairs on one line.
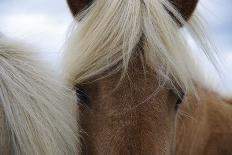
[[39, 109], [110, 31]]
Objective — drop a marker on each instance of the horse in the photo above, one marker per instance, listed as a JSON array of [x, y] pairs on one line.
[[36, 108], [140, 88]]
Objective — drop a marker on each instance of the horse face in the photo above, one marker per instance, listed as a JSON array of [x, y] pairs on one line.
[[185, 7], [136, 116]]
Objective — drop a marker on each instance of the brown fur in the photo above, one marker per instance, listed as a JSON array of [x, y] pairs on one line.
[[209, 130], [120, 122], [132, 119]]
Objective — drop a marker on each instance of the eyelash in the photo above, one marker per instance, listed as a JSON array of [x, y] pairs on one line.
[[180, 97], [82, 96]]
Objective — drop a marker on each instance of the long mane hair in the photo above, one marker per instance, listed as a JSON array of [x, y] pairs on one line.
[[110, 31], [39, 109]]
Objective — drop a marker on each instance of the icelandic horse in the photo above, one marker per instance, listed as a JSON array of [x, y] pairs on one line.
[[36, 108], [141, 91]]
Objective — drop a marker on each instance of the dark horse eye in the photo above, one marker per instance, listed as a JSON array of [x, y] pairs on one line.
[[82, 95], [180, 97]]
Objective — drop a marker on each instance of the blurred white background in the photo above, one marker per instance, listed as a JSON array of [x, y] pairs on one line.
[[44, 24]]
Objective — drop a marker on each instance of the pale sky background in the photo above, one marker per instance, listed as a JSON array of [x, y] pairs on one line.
[[44, 24]]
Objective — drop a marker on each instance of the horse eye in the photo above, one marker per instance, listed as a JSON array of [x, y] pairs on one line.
[[180, 97], [82, 96]]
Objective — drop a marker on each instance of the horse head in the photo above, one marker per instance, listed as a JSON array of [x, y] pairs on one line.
[[130, 65]]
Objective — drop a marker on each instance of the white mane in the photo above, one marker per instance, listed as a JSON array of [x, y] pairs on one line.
[[110, 31], [39, 110]]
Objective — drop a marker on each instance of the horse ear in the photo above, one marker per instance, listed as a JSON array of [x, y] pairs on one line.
[[185, 7], [76, 6]]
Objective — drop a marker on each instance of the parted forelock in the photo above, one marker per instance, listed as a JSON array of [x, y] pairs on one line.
[[185, 7]]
